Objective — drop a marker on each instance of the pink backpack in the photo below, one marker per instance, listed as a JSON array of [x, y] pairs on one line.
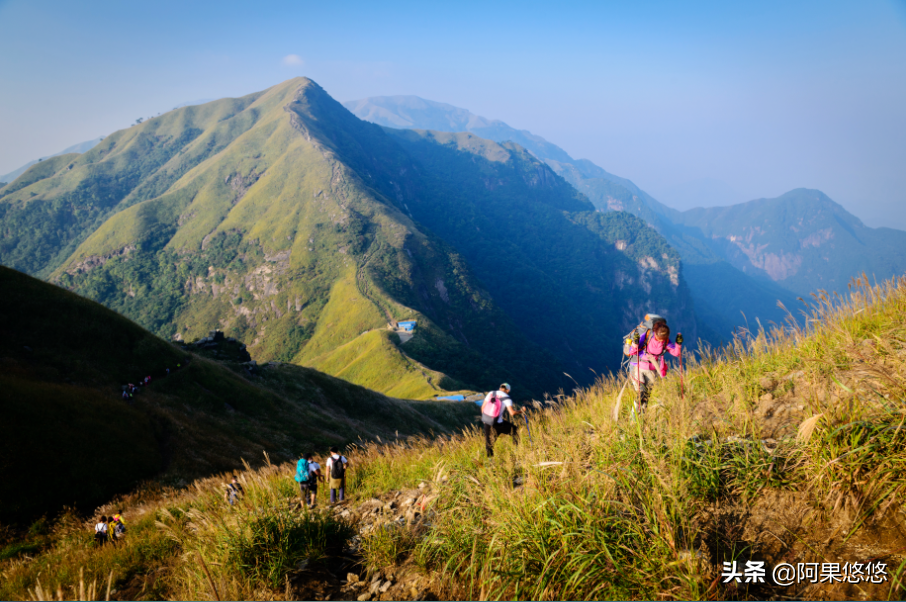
[[492, 409]]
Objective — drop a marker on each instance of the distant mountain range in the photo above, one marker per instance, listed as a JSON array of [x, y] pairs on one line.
[[701, 192], [289, 223], [739, 260]]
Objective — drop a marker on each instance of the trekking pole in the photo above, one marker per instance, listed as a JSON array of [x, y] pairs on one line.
[[682, 388], [638, 385], [638, 375], [527, 429]]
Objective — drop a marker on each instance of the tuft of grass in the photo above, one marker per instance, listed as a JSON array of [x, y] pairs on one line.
[[387, 544]]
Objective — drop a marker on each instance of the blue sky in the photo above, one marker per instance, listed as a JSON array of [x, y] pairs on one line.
[[734, 101]]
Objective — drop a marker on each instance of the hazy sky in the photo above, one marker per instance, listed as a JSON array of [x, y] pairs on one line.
[[729, 100]]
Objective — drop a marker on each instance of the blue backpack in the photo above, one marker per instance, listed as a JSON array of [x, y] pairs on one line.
[[302, 473]]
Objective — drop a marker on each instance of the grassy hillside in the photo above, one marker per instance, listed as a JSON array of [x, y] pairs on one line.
[[245, 215], [63, 360], [786, 448]]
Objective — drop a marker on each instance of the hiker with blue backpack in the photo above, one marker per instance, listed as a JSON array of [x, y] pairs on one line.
[[308, 473], [645, 348], [492, 417]]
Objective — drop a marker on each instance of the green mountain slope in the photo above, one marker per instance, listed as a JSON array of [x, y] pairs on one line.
[[286, 221], [572, 279], [242, 215], [67, 437]]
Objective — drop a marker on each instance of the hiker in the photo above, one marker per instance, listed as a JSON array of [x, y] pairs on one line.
[[119, 526], [492, 417], [308, 473], [168, 372], [336, 468], [646, 353], [125, 395], [100, 531], [116, 527], [233, 491]]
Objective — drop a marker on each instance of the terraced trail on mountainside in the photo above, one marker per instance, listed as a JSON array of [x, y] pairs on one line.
[[786, 448]]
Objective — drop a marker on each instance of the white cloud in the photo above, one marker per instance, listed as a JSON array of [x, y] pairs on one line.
[[293, 60]]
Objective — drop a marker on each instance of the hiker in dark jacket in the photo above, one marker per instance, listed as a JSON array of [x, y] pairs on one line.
[[492, 417], [233, 491], [336, 471]]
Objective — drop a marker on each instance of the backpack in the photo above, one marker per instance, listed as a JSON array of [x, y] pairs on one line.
[[491, 409], [644, 329], [491, 412], [119, 529], [337, 470], [302, 472]]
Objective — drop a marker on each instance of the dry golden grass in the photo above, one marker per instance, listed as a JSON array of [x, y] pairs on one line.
[[787, 446]]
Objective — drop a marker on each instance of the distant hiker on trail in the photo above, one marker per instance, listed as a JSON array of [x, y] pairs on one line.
[[492, 417], [126, 395], [119, 526], [233, 491], [100, 531], [308, 473], [336, 468], [646, 352]]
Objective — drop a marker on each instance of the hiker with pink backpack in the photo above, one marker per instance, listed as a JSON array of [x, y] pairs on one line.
[[492, 415]]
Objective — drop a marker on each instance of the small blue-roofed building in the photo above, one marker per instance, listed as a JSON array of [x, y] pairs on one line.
[[407, 326]]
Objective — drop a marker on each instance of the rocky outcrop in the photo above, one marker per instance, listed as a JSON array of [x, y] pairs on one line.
[[87, 264]]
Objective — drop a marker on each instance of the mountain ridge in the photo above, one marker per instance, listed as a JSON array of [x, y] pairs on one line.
[[79, 148]]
